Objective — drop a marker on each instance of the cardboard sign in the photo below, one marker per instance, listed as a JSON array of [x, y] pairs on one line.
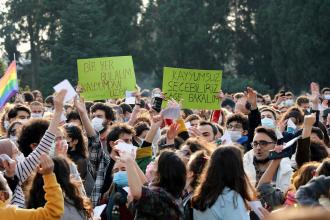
[[196, 88], [105, 78]]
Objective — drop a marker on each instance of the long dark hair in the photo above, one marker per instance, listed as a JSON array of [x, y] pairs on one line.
[[71, 190], [171, 173], [75, 133], [225, 169], [196, 165]]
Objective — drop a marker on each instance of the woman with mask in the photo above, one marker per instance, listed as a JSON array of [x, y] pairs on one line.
[[225, 190], [77, 150], [268, 118], [116, 196], [75, 205], [52, 210]]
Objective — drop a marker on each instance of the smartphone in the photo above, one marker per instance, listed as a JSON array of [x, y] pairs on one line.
[[157, 104], [287, 152]]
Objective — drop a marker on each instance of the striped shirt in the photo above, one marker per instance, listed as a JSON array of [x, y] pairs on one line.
[[25, 168]]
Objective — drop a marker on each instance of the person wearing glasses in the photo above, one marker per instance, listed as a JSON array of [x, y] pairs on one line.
[[257, 160]]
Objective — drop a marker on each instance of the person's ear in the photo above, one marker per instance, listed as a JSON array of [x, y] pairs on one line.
[[112, 144], [33, 145], [75, 142], [190, 175], [314, 173], [245, 132]]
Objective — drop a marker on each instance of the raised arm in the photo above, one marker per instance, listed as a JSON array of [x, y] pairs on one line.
[[80, 106], [54, 206], [268, 175], [135, 182], [254, 115], [303, 152], [25, 168], [155, 124]]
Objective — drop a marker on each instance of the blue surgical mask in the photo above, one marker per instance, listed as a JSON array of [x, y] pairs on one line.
[[291, 130], [268, 123], [120, 178]]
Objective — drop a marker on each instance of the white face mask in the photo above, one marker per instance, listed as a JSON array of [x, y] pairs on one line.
[[6, 125], [235, 135], [36, 115], [289, 102], [23, 121], [327, 97], [20, 157], [268, 123], [98, 124]]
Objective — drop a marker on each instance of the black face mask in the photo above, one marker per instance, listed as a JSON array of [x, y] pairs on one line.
[[257, 161]]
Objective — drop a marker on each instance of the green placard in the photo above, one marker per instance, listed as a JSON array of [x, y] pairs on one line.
[[106, 77], [196, 88]]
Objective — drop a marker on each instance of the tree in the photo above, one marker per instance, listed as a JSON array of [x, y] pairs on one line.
[[34, 22], [184, 33]]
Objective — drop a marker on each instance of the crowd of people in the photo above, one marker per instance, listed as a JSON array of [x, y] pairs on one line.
[[255, 157]]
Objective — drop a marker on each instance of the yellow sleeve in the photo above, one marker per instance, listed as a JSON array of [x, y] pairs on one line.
[[54, 206], [182, 125]]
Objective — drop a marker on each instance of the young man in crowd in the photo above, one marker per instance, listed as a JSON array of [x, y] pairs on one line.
[[19, 112], [256, 161], [37, 109]]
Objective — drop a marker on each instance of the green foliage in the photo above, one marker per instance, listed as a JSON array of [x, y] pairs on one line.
[[2, 67]]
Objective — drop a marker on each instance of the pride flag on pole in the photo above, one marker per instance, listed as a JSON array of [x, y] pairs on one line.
[[8, 84]]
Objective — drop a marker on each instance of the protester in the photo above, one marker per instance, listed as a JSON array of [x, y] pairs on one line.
[[257, 160], [32, 148], [224, 189], [161, 199], [77, 150], [53, 208], [75, 205]]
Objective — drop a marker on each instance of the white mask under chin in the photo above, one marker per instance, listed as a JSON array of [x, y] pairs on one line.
[[36, 115], [235, 135], [98, 124]]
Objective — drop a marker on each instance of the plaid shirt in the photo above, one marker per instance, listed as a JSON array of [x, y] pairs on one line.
[[99, 161]]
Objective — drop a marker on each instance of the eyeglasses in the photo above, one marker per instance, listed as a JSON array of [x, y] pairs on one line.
[[262, 144], [236, 126]]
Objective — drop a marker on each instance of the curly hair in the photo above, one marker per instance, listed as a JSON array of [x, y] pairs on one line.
[[31, 133]]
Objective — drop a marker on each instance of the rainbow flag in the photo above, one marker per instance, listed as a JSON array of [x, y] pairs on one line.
[[8, 84]]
